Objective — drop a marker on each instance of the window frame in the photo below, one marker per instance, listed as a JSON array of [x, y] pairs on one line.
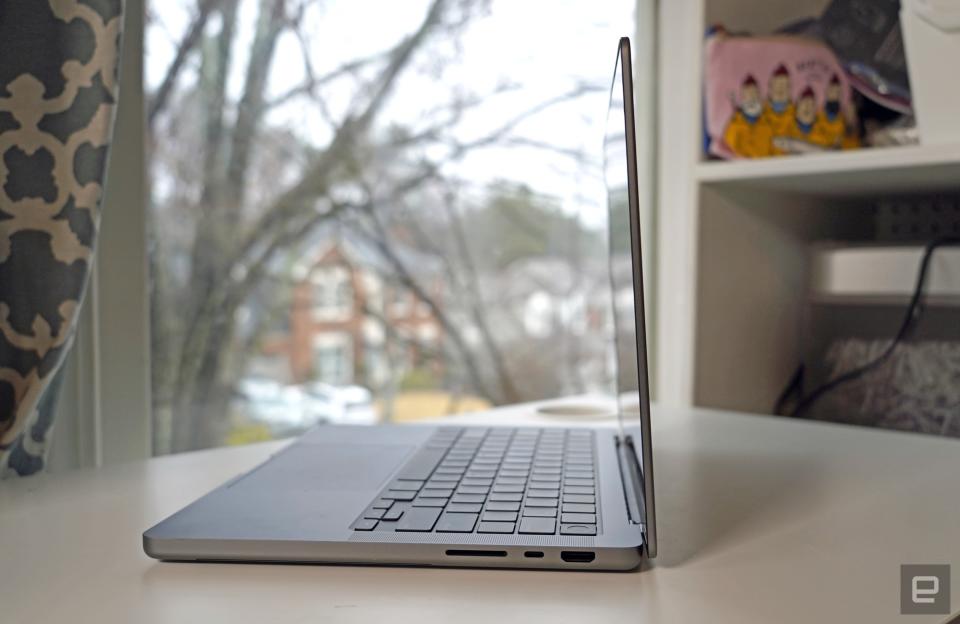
[[104, 411]]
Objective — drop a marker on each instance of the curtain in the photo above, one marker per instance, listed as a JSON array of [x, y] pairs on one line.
[[58, 85]]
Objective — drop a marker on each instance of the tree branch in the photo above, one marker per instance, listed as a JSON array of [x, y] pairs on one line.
[[383, 243], [190, 39]]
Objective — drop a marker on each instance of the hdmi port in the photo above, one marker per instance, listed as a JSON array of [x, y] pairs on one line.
[[577, 556]]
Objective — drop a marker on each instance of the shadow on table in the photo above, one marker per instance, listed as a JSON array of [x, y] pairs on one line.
[[707, 500]]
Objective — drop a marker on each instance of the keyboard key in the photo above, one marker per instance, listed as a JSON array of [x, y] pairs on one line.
[[578, 482], [419, 519], [468, 498], [515, 465], [514, 473], [579, 508], [480, 482], [445, 479], [544, 483], [578, 498], [481, 474], [508, 488], [541, 502], [495, 527], [511, 481], [580, 474], [393, 513], [435, 493], [400, 496], [421, 465], [468, 489], [429, 502], [382, 504], [503, 506], [499, 516], [456, 522], [577, 489], [578, 518], [365, 524], [578, 529], [540, 512], [400, 484], [546, 473], [375, 514], [538, 526], [538, 493], [464, 507], [547, 465], [506, 496]]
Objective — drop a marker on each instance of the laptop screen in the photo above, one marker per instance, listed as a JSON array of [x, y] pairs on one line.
[[626, 280]]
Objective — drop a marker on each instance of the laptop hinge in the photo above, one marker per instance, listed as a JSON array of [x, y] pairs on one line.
[[632, 478]]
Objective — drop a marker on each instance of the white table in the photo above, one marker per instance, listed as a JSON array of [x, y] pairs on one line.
[[761, 520]]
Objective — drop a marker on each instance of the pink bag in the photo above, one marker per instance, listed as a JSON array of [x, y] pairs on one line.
[[781, 94]]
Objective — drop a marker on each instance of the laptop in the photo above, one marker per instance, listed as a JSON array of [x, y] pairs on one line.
[[448, 495]]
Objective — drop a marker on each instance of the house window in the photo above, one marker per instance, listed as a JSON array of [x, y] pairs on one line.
[[332, 294], [333, 358]]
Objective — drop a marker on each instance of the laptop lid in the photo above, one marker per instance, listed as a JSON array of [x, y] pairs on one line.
[[626, 281]]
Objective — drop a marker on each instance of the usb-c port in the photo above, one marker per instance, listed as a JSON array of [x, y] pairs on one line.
[[577, 556], [533, 554]]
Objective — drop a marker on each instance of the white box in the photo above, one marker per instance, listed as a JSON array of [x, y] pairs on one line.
[[931, 35], [882, 271]]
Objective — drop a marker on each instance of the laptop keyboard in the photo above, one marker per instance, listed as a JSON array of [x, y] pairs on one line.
[[505, 481]]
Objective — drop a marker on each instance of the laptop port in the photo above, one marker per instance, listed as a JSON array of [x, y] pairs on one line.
[[533, 554], [577, 556], [476, 553]]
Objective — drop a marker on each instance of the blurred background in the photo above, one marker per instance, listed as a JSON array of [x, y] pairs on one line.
[[365, 212]]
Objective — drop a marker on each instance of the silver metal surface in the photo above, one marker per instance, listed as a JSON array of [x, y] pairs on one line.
[[299, 505]]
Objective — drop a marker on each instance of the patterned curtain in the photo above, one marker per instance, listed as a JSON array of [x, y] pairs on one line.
[[58, 85]]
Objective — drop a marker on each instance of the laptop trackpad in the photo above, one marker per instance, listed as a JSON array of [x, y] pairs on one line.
[[328, 468]]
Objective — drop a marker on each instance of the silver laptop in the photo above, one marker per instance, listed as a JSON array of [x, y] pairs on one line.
[[519, 497]]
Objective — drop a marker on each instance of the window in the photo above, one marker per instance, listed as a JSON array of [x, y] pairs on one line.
[[332, 294], [447, 152], [333, 358]]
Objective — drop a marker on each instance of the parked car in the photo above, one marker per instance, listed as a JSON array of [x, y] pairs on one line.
[[342, 405], [278, 405], [286, 408]]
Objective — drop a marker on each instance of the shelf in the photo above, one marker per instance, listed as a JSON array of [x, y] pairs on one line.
[[857, 172]]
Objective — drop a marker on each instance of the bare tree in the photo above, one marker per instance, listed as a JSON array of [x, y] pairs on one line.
[[229, 223]]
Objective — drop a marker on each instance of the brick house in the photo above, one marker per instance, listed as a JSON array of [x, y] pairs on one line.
[[351, 322]]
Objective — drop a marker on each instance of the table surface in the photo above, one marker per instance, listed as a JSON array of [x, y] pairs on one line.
[[760, 520]]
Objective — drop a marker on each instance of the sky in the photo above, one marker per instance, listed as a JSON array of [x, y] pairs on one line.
[[547, 47]]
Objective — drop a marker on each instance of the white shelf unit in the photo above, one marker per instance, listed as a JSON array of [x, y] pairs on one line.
[[735, 239]]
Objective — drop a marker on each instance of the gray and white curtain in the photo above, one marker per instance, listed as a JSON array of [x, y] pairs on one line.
[[58, 85]]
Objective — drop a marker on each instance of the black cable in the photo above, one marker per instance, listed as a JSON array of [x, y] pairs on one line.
[[914, 311], [794, 388]]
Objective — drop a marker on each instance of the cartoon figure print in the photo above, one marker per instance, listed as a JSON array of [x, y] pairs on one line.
[[832, 130], [805, 116], [779, 111], [779, 125], [747, 133]]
